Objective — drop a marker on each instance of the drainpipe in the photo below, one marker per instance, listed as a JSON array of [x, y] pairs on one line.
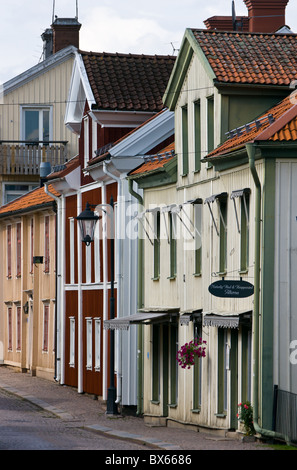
[[58, 261], [119, 289], [251, 151], [140, 305]]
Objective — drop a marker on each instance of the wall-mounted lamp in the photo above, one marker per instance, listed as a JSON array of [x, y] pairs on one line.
[[87, 221]]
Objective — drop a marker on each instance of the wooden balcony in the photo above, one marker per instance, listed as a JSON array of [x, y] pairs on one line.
[[24, 158]]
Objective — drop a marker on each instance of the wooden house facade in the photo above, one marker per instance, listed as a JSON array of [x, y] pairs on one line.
[[28, 283], [213, 207], [112, 108]]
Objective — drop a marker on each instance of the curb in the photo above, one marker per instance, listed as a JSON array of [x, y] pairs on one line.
[[107, 432]]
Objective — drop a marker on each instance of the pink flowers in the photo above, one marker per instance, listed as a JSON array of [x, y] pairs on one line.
[[245, 415], [189, 351]]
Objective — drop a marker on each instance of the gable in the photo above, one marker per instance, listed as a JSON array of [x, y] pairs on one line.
[[236, 58]]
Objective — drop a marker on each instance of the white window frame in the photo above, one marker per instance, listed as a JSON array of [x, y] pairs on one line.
[[40, 108], [89, 343], [71, 248], [97, 327], [86, 141], [72, 341]]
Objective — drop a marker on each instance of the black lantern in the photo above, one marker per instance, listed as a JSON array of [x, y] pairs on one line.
[[87, 222]]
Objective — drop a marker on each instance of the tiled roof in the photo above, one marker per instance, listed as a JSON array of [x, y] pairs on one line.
[[128, 82], [155, 162], [277, 124], [255, 58], [33, 199]]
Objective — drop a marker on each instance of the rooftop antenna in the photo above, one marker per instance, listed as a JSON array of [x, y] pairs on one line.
[[53, 19], [77, 9]]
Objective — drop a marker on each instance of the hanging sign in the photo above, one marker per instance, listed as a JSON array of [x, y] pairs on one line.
[[234, 289]]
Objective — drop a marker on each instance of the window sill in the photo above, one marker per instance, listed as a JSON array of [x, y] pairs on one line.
[[172, 405], [243, 271], [221, 415], [222, 273], [155, 402], [172, 278], [156, 278], [196, 410], [197, 274]]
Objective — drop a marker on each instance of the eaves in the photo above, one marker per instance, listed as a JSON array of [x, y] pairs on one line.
[[28, 210], [163, 176], [39, 69], [264, 149]]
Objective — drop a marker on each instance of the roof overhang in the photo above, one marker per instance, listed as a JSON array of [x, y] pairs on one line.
[[130, 151], [80, 92], [39, 69], [115, 118]]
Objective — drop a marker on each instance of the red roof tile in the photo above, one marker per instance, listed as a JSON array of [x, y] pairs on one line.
[[283, 127], [255, 58], [155, 162], [128, 82], [35, 198]]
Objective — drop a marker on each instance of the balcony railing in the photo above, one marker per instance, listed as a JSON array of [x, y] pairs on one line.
[[24, 158]]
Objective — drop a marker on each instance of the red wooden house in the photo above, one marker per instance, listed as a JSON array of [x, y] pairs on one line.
[[110, 96]]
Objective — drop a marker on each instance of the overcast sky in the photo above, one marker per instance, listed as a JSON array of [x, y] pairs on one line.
[[136, 26]]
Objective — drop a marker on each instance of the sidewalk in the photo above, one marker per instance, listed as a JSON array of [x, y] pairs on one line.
[[90, 413]]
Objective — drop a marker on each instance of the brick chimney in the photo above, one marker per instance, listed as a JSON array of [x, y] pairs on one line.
[[226, 23], [65, 33], [266, 16]]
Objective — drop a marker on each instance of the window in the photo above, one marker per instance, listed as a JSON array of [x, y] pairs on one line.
[[89, 334], [46, 244], [36, 124], [19, 328], [72, 342], [173, 364], [172, 244], [9, 328], [197, 134], [243, 226], [223, 365], [71, 250], [19, 249], [198, 238], [8, 234], [185, 144], [197, 382], [210, 124], [157, 222], [97, 344], [12, 191], [86, 141], [221, 228], [244, 233], [156, 364], [45, 327], [223, 234]]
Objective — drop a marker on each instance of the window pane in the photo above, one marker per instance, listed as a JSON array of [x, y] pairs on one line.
[[45, 126], [32, 125]]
